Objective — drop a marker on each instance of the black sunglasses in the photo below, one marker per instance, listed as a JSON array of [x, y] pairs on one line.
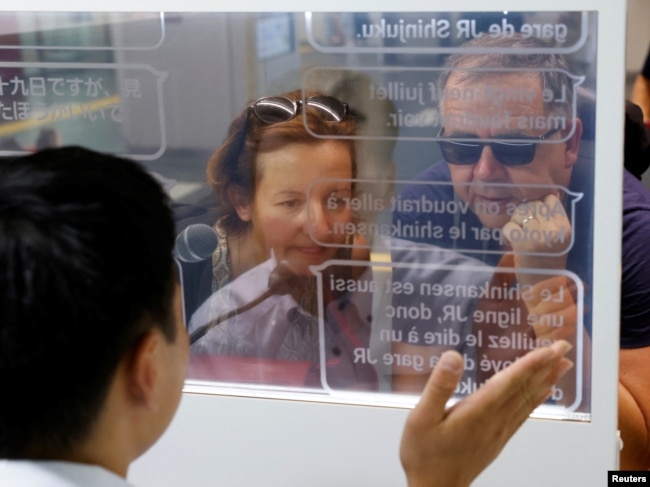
[[277, 109], [507, 153]]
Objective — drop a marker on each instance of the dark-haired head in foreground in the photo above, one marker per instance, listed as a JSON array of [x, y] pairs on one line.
[[88, 304]]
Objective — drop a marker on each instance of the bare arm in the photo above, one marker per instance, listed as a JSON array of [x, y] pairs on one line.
[[634, 408], [451, 447], [641, 95]]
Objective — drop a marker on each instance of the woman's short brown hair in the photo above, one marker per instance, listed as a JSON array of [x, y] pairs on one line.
[[233, 166]]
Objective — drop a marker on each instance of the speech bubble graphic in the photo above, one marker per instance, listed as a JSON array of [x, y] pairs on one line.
[[97, 106], [438, 32], [436, 217], [411, 103], [416, 310], [63, 33]]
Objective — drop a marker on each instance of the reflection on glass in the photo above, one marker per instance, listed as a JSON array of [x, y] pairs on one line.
[[350, 251], [282, 192]]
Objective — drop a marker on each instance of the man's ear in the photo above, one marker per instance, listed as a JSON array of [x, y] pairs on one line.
[[144, 373], [573, 143], [241, 202]]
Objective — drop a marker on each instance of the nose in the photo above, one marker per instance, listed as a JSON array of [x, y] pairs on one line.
[[317, 222], [488, 168]]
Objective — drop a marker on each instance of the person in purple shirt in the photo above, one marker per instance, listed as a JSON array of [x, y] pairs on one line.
[[488, 175]]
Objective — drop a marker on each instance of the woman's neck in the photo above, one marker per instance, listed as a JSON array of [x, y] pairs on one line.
[[245, 252]]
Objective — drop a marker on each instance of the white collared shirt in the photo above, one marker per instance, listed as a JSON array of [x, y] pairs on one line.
[[29, 473]]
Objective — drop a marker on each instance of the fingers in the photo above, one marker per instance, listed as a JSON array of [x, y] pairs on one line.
[[441, 384], [529, 379], [511, 395], [554, 296], [537, 211], [539, 232], [534, 367], [567, 331], [523, 404], [518, 389], [458, 443]]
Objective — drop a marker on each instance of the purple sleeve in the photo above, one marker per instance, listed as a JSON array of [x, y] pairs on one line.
[[635, 286]]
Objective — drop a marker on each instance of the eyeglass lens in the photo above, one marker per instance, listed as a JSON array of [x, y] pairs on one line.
[[279, 109], [275, 109], [470, 153], [507, 153]]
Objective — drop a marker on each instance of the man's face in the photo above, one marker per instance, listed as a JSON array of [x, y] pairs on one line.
[[496, 189]]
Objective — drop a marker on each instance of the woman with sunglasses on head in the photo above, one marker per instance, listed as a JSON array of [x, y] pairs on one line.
[[283, 178], [263, 172]]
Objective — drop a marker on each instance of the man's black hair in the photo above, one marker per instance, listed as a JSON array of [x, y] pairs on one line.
[[86, 265]]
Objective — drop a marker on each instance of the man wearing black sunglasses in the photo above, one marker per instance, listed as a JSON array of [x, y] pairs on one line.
[[499, 176], [510, 138]]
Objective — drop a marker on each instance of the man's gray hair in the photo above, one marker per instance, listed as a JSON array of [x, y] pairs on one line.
[[527, 55]]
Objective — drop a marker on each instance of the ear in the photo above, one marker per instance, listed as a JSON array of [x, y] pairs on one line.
[[573, 143], [241, 202], [144, 374]]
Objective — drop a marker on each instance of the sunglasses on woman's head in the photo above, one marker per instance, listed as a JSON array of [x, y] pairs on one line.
[[277, 109], [507, 153]]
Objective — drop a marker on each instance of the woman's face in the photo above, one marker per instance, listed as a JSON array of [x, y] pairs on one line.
[[294, 212]]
